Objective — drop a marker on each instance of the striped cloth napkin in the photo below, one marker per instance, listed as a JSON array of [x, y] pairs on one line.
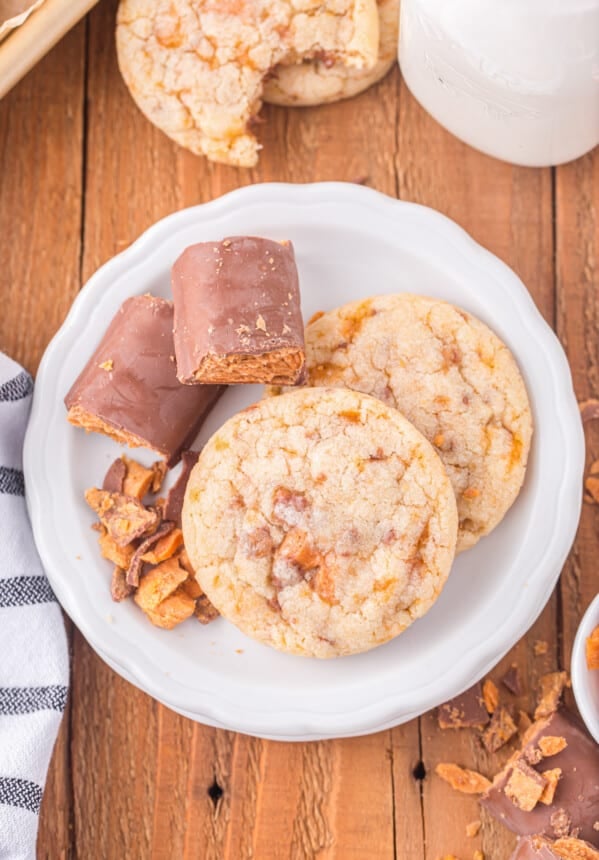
[[34, 668]]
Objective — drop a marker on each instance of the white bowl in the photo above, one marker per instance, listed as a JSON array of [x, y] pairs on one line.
[[585, 683], [350, 242]]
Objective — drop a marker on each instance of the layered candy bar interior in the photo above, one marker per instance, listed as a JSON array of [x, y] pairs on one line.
[[237, 313], [129, 389]]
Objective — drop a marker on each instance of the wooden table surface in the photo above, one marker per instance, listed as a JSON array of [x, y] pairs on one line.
[[83, 174]]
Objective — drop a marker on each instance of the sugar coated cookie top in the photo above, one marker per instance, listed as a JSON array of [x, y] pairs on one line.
[[320, 522], [451, 376], [196, 67]]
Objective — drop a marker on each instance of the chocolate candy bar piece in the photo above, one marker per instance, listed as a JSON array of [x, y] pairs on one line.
[[173, 505], [511, 680], [114, 479], [237, 313], [533, 848], [465, 711], [129, 389], [574, 809]]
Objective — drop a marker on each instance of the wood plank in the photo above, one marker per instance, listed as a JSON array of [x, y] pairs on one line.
[[209, 793], [173, 739], [276, 798], [41, 145], [41, 134], [509, 211], [409, 823], [577, 256], [129, 181], [114, 733], [55, 825]]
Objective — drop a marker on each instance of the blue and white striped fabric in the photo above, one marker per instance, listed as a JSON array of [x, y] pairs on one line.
[[34, 668]]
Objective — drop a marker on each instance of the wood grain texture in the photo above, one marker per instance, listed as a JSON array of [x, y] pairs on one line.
[[41, 145], [577, 264], [41, 198], [509, 211], [83, 175]]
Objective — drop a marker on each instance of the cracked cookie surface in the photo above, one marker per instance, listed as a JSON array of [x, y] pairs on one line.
[[320, 522], [322, 80], [196, 67], [451, 376]]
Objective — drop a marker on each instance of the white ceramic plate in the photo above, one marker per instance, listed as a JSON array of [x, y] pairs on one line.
[[585, 683], [350, 242]]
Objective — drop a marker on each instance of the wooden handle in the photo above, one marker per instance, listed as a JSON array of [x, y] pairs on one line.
[[41, 31]]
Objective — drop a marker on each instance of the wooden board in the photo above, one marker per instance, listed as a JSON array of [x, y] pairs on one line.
[[84, 174]]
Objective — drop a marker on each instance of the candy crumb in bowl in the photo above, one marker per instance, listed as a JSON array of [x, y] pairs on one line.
[[585, 681]]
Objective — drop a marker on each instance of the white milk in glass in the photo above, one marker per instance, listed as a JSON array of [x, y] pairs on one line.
[[517, 79]]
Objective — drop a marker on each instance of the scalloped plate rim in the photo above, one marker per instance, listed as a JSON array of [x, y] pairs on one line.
[[310, 724]]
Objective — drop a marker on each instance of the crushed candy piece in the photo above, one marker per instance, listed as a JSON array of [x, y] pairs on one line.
[[532, 754], [524, 786], [511, 680], [185, 562], [490, 696], [473, 828], [159, 583], [136, 564], [138, 479], [540, 647], [124, 518], [591, 486], [159, 469], [561, 823], [551, 745], [552, 776], [462, 779], [192, 587], [114, 480], [570, 848], [172, 610], [464, 711], [592, 650], [164, 547], [499, 731], [119, 555], [119, 590], [551, 687], [204, 611]]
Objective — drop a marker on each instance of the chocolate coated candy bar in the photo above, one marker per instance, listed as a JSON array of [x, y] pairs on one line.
[[237, 313], [575, 806], [173, 505], [129, 389], [465, 711]]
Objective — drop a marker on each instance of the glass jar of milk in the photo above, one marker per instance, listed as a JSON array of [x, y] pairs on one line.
[[517, 79]]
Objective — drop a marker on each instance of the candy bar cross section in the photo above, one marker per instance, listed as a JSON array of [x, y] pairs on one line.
[[237, 313], [129, 390]]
